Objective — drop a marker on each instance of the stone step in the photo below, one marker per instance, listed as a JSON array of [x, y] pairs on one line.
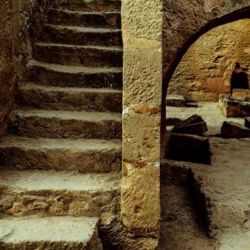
[[63, 98], [84, 155], [75, 35], [37, 123], [88, 56], [86, 5], [62, 233], [86, 19], [51, 193], [74, 76]]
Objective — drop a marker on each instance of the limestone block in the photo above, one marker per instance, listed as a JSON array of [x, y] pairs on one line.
[[191, 148], [234, 130], [194, 125], [140, 207], [233, 107], [142, 98]]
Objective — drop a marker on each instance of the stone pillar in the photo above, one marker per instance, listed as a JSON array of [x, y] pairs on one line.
[[142, 99]]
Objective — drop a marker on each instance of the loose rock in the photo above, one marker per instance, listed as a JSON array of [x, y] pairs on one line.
[[191, 148], [234, 130], [194, 125]]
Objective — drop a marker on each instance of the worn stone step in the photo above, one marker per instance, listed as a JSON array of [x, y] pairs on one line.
[[74, 76], [84, 155], [89, 56], [86, 19], [63, 98], [62, 233], [86, 5], [75, 35], [51, 193], [65, 124]]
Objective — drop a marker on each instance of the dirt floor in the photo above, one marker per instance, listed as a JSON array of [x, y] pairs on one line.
[[180, 226], [225, 186]]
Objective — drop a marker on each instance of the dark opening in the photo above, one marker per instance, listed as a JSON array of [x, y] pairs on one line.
[[239, 79]]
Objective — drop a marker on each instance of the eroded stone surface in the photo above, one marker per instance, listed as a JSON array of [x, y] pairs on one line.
[[58, 193], [205, 70], [142, 32], [49, 233], [232, 107], [6, 70]]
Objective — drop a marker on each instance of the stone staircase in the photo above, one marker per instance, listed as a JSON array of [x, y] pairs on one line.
[[61, 161]]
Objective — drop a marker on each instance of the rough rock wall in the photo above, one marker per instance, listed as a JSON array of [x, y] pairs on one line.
[[6, 67], [205, 70], [28, 16], [142, 35], [16, 18], [183, 22]]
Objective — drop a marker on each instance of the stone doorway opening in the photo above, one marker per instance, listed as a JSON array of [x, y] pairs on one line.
[[204, 202]]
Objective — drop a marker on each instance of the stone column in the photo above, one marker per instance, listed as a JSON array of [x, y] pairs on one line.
[[142, 99]]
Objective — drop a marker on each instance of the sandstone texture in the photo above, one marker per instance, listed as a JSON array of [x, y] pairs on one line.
[[62, 154], [142, 96], [152, 31], [6, 69], [51, 193], [232, 107], [205, 70], [50, 233]]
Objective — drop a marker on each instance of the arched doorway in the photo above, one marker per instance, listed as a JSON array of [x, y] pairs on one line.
[[226, 176], [155, 35]]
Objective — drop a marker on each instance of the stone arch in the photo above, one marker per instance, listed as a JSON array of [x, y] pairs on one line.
[[156, 33], [203, 17], [169, 67]]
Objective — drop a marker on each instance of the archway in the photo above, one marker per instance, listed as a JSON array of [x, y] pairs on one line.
[[202, 180], [154, 32]]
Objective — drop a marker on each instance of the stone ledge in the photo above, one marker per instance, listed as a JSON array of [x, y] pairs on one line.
[[234, 107]]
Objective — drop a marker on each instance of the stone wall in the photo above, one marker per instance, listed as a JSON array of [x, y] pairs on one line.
[[184, 23], [205, 70], [16, 18], [6, 67], [142, 35], [27, 19]]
